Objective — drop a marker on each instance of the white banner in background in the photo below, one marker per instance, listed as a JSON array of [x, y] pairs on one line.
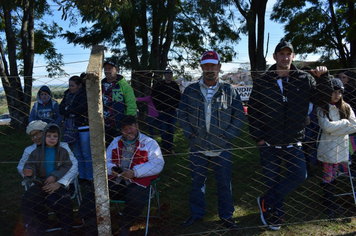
[[244, 92]]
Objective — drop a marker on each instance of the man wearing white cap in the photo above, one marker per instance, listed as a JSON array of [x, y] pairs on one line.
[[211, 116]]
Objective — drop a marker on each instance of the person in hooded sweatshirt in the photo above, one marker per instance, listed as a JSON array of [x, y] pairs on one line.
[[35, 132], [46, 108], [45, 167]]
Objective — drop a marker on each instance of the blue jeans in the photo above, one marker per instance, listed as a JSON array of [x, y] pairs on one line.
[[82, 151], [222, 168], [166, 124], [279, 186], [309, 143], [152, 121]]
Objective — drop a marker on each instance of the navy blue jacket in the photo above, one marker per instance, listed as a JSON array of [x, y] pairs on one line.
[[77, 110]]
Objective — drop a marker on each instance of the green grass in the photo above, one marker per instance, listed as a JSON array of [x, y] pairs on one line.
[[303, 208], [3, 109], [12, 144]]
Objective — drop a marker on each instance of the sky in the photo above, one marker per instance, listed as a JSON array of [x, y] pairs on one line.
[[76, 58]]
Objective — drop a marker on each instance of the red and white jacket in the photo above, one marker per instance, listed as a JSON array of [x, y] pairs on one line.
[[147, 161]]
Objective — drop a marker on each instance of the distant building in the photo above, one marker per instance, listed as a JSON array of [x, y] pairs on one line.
[[240, 78]]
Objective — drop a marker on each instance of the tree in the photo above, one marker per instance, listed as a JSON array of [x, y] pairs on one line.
[[253, 13], [326, 27], [146, 35], [17, 25]]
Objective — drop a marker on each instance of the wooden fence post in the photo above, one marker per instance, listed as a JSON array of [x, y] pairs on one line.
[[97, 144]]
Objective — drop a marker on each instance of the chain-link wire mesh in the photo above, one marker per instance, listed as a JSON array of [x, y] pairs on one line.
[[306, 202]]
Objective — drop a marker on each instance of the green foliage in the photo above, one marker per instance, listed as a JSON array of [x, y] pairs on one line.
[[44, 33], [321, 27], [197, 26], [57, 95], [27, 33]]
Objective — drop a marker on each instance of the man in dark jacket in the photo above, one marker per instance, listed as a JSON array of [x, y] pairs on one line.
[[166, 96], [211, 116], [278, 107]]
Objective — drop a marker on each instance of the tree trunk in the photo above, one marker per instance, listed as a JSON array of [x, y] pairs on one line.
[[14, 93], [169, 33], [128, 29], [156, 24], [144, 35], [340, 47], [255, 42], [141, 84], [260, 6], [352, 20], [28, 47]]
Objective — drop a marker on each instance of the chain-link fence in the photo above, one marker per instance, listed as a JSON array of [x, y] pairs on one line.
[[306, 203]]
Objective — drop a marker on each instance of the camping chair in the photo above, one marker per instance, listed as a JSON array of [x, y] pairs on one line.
[[152, 194], [351, 182], [76, 194]]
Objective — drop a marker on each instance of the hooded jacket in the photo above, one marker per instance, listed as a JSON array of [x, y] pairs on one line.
[[48, 112], [276, 121], [334, 141], [36, 161], [67, 178]]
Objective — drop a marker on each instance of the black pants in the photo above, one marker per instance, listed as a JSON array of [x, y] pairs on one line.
[[135, 198], [33, 207]]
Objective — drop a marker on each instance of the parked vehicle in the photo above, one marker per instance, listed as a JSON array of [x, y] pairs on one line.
[[5, 119]]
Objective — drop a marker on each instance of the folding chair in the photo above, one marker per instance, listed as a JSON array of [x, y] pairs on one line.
[[75, 194], [351, 182], [152, 194]]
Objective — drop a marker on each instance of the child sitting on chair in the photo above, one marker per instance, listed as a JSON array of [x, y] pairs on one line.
[[46, 165]]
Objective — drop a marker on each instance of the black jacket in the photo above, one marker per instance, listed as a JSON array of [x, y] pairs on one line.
[[166, 96], [278, 122], [78, 110]]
